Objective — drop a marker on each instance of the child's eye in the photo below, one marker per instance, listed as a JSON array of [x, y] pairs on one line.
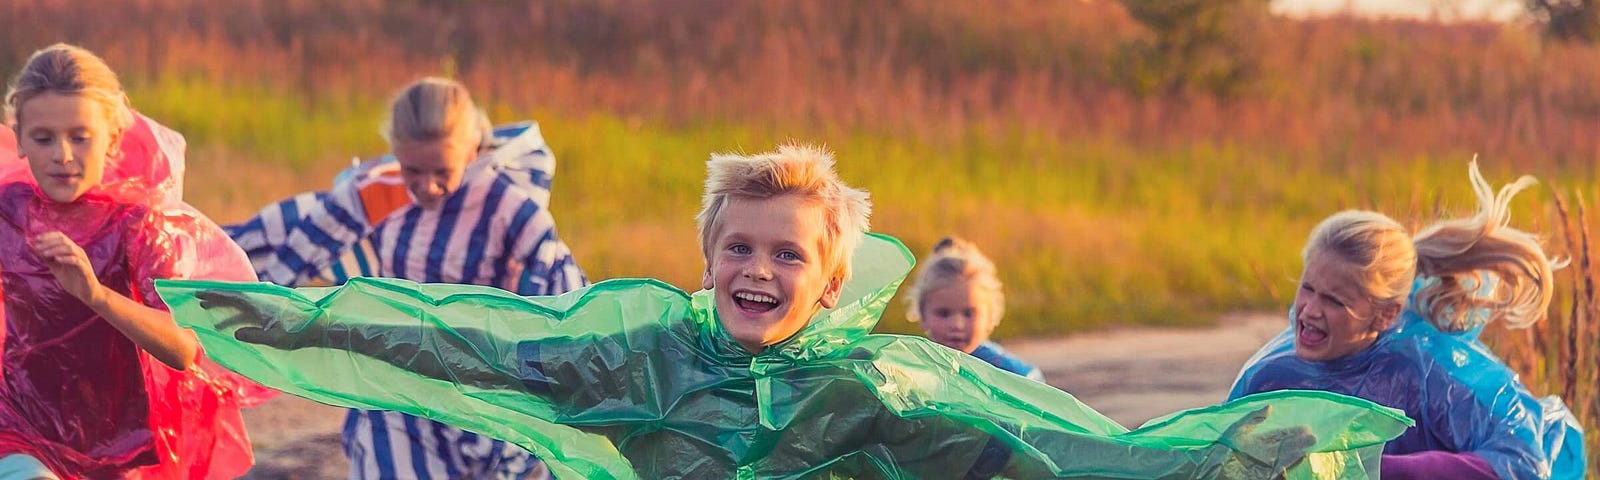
[[788, 256], [41, 140], [1334, 301], [739, 249]]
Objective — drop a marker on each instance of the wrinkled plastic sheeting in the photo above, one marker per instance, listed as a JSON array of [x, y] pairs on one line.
[[1464, 398], [636, 379], [135, 228]]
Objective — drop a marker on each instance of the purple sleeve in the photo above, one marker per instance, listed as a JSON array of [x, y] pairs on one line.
[[1436, 464]]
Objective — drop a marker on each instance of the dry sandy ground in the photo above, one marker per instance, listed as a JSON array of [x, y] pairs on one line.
[[1131, 375]]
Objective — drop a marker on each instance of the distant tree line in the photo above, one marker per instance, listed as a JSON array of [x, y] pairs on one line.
[[1573, 20]]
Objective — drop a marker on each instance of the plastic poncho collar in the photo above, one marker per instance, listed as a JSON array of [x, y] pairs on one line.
[[634, 378], [1464, 398], [190, 420]]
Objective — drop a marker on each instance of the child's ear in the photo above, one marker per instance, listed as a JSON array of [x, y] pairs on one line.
[[830, 294], [705, 280]]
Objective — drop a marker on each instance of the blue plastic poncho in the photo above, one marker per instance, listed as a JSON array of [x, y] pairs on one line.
[[637, 379], [1463, 398]]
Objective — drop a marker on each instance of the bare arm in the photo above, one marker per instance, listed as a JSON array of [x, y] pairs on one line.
[[153, 330]]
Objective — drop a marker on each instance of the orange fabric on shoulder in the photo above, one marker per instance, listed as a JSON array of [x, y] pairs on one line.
[[382, 194]]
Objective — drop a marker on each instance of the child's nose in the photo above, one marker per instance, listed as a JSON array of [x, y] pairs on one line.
[[427, 187], [758, 271], [63, 153], [1307, 310]]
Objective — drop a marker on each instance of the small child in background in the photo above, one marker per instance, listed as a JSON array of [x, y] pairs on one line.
[[958, 299]]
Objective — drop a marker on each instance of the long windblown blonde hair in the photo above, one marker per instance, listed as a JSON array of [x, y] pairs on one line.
[[1474, 265]]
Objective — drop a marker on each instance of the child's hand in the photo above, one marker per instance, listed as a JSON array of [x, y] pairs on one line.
[[1263, 455], [253, 325], [70, 265]]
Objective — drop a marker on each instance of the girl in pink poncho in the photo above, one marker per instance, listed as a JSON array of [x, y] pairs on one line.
[[97, 381]]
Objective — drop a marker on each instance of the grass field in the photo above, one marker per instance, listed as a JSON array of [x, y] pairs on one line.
[[1111, 184]]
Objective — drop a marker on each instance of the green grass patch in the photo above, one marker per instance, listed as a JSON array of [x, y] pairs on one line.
[[1087, 232]]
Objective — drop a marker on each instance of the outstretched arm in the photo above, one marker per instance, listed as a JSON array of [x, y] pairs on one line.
[[1027, 430], [454, 355], [470, 356], [296, 241]]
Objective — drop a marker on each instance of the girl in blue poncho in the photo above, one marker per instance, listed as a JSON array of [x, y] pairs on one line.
[[1393, 318], [959, 300]]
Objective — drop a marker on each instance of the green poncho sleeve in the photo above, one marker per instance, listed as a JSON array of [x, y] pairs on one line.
[[636, 379]]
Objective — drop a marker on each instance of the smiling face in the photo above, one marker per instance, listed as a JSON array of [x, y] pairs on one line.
[[957, 315], [432, 169], [65, 139], [766, 268], [1332, 317]]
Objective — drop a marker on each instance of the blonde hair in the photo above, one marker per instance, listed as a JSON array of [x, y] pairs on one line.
[[70, 70], [952, 260], [801, 170], [433, 109], [1460, 257]]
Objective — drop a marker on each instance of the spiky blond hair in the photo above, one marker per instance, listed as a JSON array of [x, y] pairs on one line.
[[802, 170]]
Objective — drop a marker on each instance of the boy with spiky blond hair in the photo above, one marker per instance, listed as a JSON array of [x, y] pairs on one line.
[[777, 231], [768, 373]]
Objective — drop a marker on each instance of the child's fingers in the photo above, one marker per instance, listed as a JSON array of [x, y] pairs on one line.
[[54, 243], [59, 253], [53, 253], [243, 317], [254, 335], [1239, 430], [49, 238]]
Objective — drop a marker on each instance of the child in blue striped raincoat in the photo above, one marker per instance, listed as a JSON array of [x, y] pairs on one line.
[[456, 203]]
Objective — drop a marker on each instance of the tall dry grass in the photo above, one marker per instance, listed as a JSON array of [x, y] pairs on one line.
[[1561, 355], [1012, 122], [1336, 90]]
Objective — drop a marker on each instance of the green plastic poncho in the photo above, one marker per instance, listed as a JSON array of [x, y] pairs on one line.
[[636, 379]]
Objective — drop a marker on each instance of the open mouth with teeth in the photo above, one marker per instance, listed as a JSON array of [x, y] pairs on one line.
[[755, 302], [1310, 336]]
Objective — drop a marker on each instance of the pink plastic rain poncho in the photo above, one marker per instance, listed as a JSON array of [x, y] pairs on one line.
[[76, 393]]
